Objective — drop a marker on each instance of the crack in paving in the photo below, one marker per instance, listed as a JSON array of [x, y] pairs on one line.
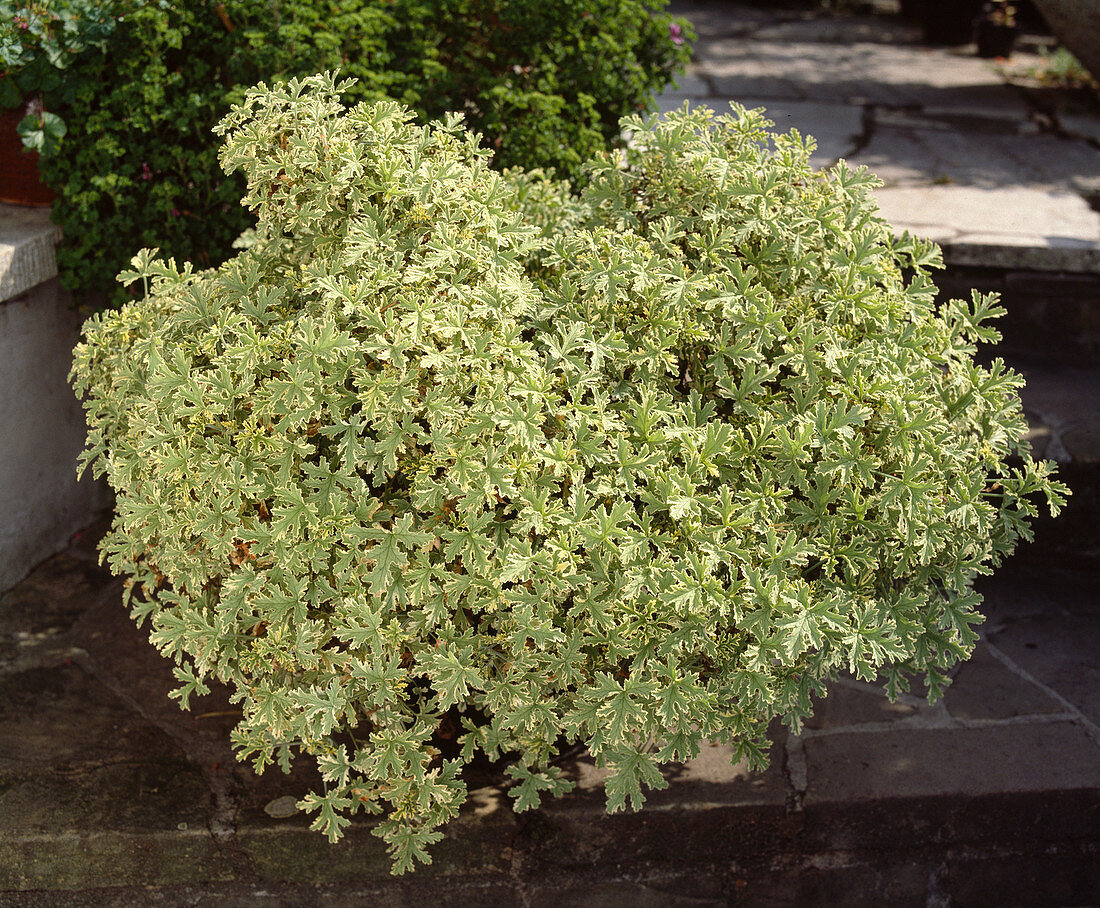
[[795, 772], [868, 124], [937, 715]]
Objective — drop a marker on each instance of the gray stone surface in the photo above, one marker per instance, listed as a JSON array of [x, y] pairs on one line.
[[985, 688], [110, 795], [923, 762], [1059, 653], [994, 216], [718, 20], [838, 30], [1082, 441], [1039, 435], [1064, 404], [688, 85], [971, 160], [836, 128], [857, 704], [91, 794], [858, 72], [27, 242], [1025, 228], [1018, 592], [616, 895], [1040, 254], [980, 153], [1080, 126]]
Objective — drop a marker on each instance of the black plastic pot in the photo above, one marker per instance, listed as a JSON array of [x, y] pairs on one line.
[[950, 21], [913, 10], [994, 40]]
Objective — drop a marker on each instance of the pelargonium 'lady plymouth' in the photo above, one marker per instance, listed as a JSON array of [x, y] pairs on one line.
[[637, 469]]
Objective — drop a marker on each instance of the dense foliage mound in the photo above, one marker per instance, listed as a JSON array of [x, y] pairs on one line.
[[448, 449], [544, 83]]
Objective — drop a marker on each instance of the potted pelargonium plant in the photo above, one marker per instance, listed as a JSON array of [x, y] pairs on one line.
[[38, 42], [452, 449]]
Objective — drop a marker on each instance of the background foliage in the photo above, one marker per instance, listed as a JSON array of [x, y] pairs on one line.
[[544, 83], [449, 451], [39, 40]]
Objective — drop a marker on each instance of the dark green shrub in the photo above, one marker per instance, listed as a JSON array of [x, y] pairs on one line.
[[546, 83], [639, 471]]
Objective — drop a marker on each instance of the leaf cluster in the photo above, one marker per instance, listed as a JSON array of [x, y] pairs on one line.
[[445, 448], [39, 41]]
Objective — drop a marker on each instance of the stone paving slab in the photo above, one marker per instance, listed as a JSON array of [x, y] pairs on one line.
[[836, 128], [857, 73], [1063, 407], [995, 169], [714, 20], [951, 760], [1061, 655], [853, 705], [1025, 228], [930, 152], [986, 688]]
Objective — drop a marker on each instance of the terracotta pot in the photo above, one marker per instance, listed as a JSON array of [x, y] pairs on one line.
[[19, 180]]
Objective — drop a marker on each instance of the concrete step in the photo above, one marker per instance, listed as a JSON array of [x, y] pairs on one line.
[[1062, 404], [1052, 317], [110, 795]]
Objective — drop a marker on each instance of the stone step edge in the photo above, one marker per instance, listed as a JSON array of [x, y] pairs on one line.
[[574, 838]]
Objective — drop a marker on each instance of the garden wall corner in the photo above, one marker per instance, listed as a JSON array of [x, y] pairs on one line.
[[42, 428]]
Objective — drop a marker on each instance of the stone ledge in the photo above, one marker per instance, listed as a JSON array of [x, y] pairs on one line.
[[27, 242], [1013, 228], [1083, 259], [730, 848]]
